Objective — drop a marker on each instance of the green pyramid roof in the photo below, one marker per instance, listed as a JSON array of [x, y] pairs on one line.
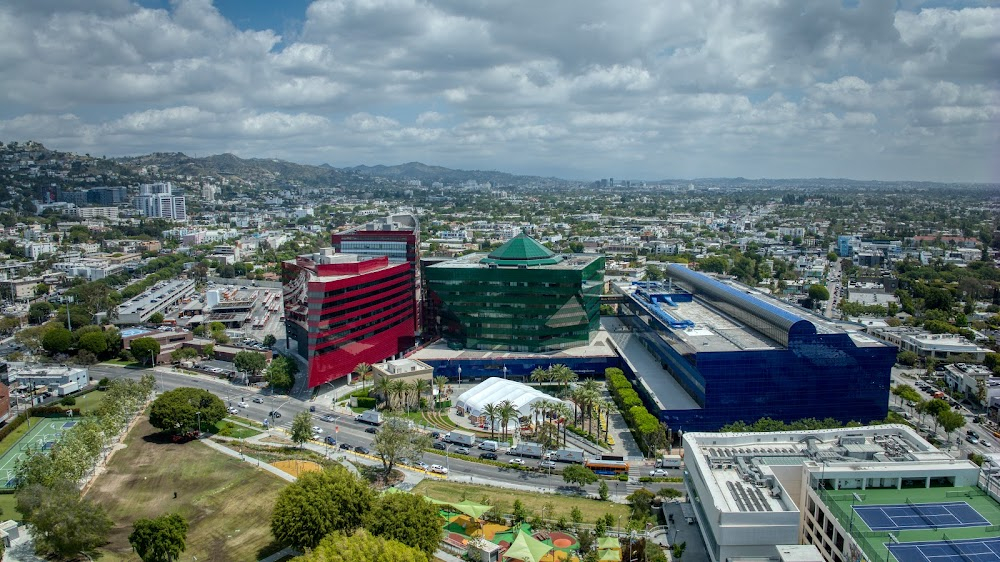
[[526, 548], [522, 250]]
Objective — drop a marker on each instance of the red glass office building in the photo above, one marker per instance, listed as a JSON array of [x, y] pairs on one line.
[[345, 309]]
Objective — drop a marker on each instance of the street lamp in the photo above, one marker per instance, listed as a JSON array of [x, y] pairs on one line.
[[460, 375], [447, 461], [199, 422], [505, 372]]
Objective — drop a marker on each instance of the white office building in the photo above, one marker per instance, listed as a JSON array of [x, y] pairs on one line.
[[156, 200], [753, 491]]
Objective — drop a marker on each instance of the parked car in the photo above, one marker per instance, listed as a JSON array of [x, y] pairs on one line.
[[258, 400], [422, 465], [345, 446], [488, 456], [439, 469], [329, 440], [361, 449]]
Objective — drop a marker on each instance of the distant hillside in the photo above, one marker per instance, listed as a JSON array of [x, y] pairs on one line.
[[261, 171], [430, 174]]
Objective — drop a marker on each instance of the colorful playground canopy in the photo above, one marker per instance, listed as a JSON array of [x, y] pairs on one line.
[[472, 509], [609, 555], [526, 548], [605, 543]]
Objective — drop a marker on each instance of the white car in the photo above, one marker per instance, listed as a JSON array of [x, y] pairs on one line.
[[659, 472], [519, 462], [547, 464], [243, 405], [258, 400], [232, 410], [422, 465], [317, 429], [439, 469]]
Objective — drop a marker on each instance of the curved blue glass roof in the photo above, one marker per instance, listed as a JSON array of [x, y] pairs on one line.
[[791, 323]]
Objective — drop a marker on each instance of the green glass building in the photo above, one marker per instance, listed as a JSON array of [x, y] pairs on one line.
[[520, 297]]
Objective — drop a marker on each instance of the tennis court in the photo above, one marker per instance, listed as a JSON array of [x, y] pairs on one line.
[[967, 550], [43, 434], [940, 515]]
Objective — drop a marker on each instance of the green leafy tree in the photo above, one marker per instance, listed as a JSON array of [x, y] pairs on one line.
[[39, 312], [407, 518], [145, 349], [250, 362], [281, 373], [156, 318], [908, 358], [396, 440], [361, 547], [57, 340], [950, 420], [640, 504], [319, 503], [62, 522], [579, 475], [818, 292], [94, 342], [161, 539], [176, 411], [602, 491], [301, 428], [270, 340], [41, 290]]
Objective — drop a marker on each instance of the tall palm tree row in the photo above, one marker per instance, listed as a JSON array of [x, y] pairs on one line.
[[363, 370], [420, 386], [561, 409], [540, 375], [383, 389], [507, 413], [492, 413], [441, 382]]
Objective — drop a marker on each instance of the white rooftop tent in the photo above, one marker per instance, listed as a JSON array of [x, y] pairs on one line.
[[495, 390]]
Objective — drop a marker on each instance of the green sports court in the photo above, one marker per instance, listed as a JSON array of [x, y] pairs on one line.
[[44, 433]]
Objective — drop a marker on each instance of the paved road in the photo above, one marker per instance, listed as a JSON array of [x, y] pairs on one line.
[[346, 430]]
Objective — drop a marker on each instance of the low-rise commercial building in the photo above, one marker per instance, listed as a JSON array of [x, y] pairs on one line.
[[926, 344], [157, 298], [60, 380]]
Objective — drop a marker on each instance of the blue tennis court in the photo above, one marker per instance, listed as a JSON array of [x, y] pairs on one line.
[[920, 516], [69, 424], [968, 550]]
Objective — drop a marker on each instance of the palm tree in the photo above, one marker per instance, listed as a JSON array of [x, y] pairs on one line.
[[397, 389], [562, 411], [608, 407], [421, 386], [409, 390], [441, 382], [492, 413], [536, 409], [383, 388], [563, 375], [363, 370], [577, 398], [507, 413], [539, 375]]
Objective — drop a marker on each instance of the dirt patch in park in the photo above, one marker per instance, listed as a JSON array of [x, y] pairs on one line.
[[295, 468], [226, 502]]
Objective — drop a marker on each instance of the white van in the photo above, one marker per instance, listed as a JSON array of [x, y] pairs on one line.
[[489, 445]]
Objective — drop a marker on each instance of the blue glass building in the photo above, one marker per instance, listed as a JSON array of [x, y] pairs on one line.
[[731, 354]]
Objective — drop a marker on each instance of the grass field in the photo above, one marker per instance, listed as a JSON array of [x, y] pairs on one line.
[[7, 504], [90, 401], [226, 502], [562, 505]]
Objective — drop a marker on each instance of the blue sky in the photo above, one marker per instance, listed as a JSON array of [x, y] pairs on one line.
[[574, 88]]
